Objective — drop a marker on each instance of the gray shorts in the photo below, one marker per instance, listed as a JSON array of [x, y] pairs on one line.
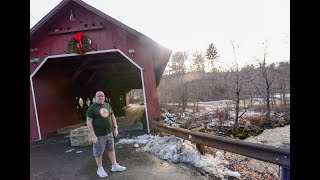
[[104, 142]]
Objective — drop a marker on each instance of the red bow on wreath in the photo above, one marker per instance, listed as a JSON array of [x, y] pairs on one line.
[[78, 37]]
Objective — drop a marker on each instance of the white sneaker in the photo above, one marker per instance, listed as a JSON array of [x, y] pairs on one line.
[[101, 172], [117, 167]]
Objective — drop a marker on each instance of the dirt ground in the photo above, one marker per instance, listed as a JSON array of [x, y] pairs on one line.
[[49, 160]]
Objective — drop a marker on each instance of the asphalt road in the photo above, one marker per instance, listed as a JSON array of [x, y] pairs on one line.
[[49, 160]]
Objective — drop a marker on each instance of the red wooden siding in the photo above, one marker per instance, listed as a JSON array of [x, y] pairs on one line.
[[55, 105]]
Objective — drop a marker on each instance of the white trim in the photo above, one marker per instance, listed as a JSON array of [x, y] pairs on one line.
[[35, 108], [70, 55], [123, 54], [91, 52], [144, 92], [37, 140], [145, 100]]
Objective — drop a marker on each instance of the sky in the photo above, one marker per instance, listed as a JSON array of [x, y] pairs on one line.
[[189, 25]]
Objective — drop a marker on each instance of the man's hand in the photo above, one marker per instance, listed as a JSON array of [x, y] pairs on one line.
[[90, 128], [115, 132], [94, 139]]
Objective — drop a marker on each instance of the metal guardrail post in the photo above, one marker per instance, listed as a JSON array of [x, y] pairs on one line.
[[285, 173]]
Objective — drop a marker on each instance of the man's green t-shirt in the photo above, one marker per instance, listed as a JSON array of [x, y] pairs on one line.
[[101, 115]]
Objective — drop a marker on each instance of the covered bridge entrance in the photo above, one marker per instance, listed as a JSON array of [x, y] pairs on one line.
[[60, 80]]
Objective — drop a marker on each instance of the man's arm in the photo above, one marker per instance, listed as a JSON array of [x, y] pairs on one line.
[[91, 131], [115, 125]]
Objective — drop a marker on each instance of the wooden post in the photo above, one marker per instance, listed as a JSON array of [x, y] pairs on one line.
[[200, 147]]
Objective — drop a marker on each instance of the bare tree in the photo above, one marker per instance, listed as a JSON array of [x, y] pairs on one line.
[[177, 64], [198, 84], [194, 93], [235, 81], [266, 77], [283, 80], [198, 62], [178, 70]]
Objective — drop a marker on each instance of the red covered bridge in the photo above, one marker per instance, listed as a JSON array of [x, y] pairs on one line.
[[119, 59]]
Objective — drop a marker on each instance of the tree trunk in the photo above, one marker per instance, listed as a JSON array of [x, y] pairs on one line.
[[237, 112], [194, 106], [183, 101], [273, 100], [184, 105], [284, 94], [197, 106], [268, 106]]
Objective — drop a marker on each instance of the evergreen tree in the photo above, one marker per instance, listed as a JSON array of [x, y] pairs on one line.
[[212, 56]]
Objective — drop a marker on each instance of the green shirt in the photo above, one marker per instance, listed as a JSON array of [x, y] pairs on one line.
[[101, 115]]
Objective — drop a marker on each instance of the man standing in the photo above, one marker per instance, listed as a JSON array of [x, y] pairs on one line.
[[100, 120]]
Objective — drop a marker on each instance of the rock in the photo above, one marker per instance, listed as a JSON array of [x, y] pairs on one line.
[[162, 134], [233, 173], [219, 155], [136, 145], [263, 141], [80, 137], [69, 150]]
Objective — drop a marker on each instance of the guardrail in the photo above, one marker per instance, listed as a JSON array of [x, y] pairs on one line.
[[276, 155]]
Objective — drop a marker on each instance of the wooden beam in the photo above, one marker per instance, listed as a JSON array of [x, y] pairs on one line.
[[79, 70], [90, 78], [97, 66]]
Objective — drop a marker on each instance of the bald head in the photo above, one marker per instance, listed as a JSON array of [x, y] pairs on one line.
[[100, 97], [99, 93]]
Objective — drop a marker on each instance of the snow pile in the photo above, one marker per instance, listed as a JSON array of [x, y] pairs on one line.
[[177, 150]]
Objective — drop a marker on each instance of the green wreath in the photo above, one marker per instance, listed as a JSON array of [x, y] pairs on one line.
[[73, 45]]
